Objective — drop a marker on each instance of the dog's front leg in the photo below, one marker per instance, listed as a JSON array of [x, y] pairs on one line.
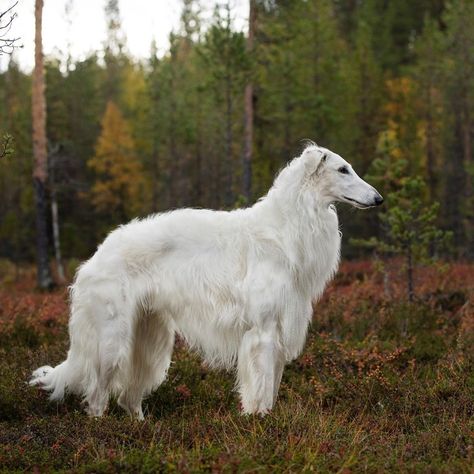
[[260, 364]]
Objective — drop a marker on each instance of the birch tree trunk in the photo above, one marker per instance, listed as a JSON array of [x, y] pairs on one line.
[[40, 168], [57, 241]]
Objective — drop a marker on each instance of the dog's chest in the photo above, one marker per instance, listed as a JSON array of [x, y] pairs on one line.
[[318, 261]]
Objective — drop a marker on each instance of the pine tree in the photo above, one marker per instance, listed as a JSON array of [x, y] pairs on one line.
[[155, 123], [367, 89], [249, 113], [190, 20], [40, 172], [17, 209], [224, 53], [409, 221], [429, 84], [114, 55], [303, 86]]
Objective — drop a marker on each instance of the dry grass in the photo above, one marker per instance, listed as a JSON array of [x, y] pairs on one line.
[[383, 386]]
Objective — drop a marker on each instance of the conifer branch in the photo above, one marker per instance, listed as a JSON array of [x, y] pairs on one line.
[[5, 146]]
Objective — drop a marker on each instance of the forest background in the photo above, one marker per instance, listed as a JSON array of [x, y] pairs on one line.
[[387, 85]]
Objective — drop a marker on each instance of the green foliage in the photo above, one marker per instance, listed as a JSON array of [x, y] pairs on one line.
[[353, 76], [457, 73], [410, 222]]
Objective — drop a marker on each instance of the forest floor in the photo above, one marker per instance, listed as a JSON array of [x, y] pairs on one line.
[[383, 385]]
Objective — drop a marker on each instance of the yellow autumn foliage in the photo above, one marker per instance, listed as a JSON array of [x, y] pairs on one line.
[[404, 134], [120, 184]]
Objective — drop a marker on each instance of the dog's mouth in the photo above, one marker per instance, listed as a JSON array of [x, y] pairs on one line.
[[356, 203]]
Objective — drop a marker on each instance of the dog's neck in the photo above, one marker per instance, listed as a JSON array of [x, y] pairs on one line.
[[297, 208], [308, 229]]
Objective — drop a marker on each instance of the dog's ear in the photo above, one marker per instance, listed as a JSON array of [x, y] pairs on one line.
[[322, 161], [314, 160]]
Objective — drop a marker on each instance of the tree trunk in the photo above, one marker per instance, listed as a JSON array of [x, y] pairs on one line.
[[57, 241], [228, 197], [156, 174], [386, 277], [228, 162], [198, 177], [466, 131], [410, 285], [430, 151], [248, 131], [430, 125], [40, 169], [174, 182], [467, 148]]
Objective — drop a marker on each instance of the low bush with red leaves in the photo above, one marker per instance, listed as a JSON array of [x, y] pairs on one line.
[[383, 385]]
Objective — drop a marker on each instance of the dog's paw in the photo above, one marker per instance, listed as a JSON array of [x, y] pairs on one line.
[[38, 375]]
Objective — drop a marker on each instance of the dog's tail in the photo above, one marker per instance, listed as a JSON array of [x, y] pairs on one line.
[[52, 379], [75, 375], [100, 341], [79, 371]]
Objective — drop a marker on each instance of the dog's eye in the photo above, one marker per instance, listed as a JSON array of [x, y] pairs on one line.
[[343, 170]]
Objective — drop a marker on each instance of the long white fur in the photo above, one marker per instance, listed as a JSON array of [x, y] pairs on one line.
[[237, 286]]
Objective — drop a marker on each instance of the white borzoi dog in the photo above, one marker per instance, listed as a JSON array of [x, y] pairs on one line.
[[237, 286]]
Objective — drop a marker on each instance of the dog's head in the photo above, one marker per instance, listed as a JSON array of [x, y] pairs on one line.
[[334, 179]]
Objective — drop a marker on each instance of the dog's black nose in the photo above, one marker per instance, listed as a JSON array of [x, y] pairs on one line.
[[378, 200]]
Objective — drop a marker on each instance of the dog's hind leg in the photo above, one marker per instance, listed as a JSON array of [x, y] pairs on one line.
[[149, 361], [107, 363]]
